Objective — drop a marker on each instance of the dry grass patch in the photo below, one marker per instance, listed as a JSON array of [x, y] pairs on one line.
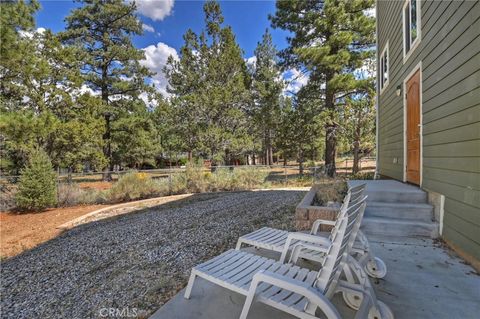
[[330, 191]]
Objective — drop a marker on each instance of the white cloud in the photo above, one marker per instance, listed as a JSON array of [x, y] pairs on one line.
[[251, 63], [251, 60], [155, 60], [370, 12], [147, 27], [295, 79], [30, 34], [85, 89], [156, 10]]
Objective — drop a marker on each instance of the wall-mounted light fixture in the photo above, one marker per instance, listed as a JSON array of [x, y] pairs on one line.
[[398, 91]]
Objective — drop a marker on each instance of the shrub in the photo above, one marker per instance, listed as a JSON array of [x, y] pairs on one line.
[[363, 175], [179, 183], [182, 162], [198, 180], [37, 188], [310, 164], [93, 196], [72, 194], [68, 194], [131, 186], [330, 191], [221, 180], [247, 178]]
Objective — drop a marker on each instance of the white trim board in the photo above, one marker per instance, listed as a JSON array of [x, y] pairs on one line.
[[418, 67], [416, 42], [381, 67]]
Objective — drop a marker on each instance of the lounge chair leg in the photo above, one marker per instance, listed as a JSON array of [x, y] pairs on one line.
[[239, 245], [247, 305], [188, 291]]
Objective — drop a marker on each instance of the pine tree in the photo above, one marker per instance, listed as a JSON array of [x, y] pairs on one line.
[[55, 79], [68, 143], [358, 122], [42, 105], [135, 142], [185, 77], [16, 51], [210, 86], [37, 188], [331, 39], [23, 132], [285, 137], [306, 125], [168, 131], [266, 90], [102, 31]]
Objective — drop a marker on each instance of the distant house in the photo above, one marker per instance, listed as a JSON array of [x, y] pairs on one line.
[[428, 119]]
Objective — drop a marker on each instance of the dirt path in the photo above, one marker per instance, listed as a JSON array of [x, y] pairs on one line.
[[19, 232]]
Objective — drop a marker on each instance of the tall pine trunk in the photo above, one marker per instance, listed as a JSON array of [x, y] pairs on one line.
[[270, 148], [301, 160], [356, 150], [330, 131], [107, 149]]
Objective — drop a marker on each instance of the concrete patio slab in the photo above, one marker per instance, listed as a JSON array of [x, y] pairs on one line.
[[424, 280]]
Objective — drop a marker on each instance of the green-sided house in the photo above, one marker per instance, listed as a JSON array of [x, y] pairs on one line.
[[428, 119]]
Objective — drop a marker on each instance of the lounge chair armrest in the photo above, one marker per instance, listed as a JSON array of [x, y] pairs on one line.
[[314, 297], [309, 238], [304, 238], [318, 222], [281, 281], [297, 249]]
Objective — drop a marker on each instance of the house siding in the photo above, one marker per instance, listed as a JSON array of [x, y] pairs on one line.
[[449, 53]]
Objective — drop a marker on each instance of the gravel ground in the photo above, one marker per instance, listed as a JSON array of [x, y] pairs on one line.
[[130, 265]]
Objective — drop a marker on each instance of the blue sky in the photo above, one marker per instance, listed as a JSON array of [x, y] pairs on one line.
[[165, 22], [249, 19]]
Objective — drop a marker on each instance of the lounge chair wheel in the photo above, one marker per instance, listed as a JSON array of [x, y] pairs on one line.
[[352, 300], [376, 269], [383, 312]]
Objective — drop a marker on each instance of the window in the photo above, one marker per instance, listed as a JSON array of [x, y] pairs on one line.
[[384, 68], [411, 26]]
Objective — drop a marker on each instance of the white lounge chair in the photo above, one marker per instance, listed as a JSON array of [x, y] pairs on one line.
[[297, 291], [283, 241]]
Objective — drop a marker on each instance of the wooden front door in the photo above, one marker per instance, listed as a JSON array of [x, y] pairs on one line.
[[413, 128]]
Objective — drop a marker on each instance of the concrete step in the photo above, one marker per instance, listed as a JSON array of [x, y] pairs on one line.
[[421, 212], [399, 227], [392, 191], [411, 196]]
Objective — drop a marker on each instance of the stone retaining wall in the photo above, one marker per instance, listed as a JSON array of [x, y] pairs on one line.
[[306, 213]]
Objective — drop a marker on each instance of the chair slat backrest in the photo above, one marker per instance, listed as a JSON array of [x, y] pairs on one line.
[[355, 195], [342, 242], [342, 213]]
